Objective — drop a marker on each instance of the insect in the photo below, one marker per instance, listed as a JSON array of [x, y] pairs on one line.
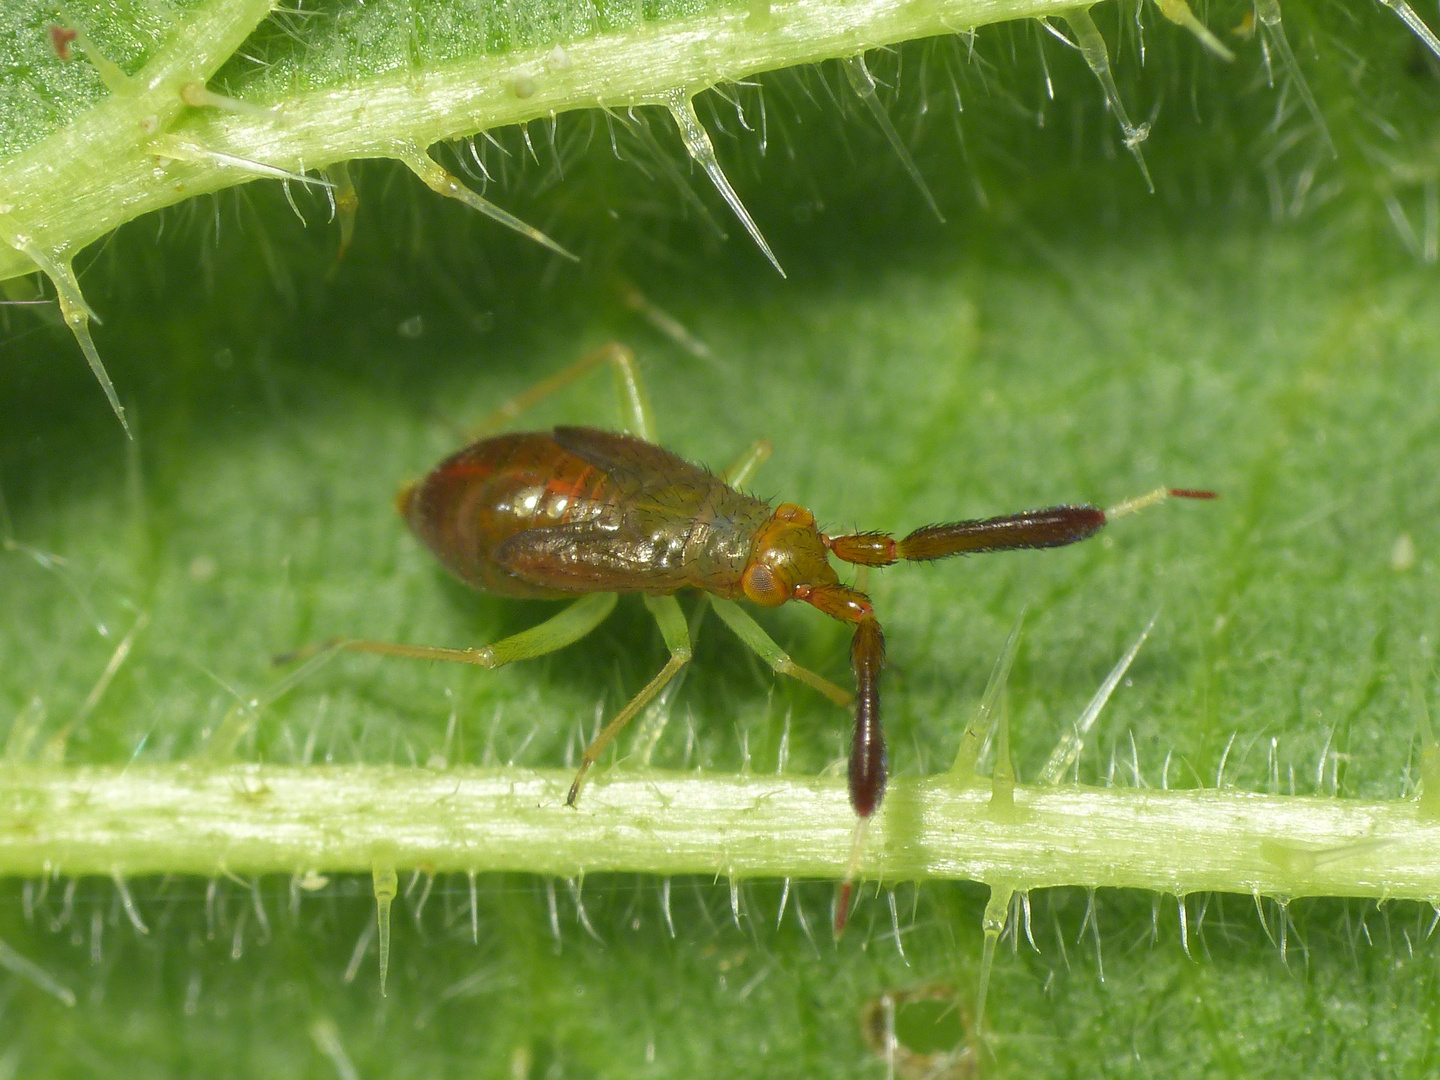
[[582, 514]]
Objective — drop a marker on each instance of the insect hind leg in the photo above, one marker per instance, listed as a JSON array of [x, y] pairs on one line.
[[673, 628], [569, 626], [635, 410]]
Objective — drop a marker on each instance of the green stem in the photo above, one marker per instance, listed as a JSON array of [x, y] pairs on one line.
[[254, 819], [59, 194], [138, 153]]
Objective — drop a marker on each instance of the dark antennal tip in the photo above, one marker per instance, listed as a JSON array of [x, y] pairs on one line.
[[1193, 493]]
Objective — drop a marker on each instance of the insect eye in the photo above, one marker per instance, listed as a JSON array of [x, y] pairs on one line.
[[762, 587]]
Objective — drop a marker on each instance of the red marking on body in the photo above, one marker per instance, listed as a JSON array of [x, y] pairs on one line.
[[60, 39], [569, 490], [598, 490]]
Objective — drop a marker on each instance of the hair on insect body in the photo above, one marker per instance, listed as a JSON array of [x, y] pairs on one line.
[[585, 515]]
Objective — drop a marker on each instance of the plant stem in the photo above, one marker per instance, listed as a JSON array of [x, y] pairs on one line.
[[135, 154], [59, 194], [254, 819]]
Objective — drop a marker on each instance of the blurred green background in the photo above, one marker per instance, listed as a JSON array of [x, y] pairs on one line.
[[1263, 325]]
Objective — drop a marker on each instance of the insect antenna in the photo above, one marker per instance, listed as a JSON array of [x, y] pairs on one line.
[[1053, 526]]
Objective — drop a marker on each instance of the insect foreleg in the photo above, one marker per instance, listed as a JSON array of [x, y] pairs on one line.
[[666, 610], [751, 633]]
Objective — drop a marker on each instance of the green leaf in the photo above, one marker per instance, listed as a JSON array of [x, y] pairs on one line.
[[1262, 326]]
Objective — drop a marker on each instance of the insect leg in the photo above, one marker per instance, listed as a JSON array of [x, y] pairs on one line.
[[666, 610], [743, 469], [634, 403], [569, 626], [751, 633]]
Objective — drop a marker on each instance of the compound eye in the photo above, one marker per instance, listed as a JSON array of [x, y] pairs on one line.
[[762, 587]]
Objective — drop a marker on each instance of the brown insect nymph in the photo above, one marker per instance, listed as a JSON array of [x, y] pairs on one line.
[[582, 514]]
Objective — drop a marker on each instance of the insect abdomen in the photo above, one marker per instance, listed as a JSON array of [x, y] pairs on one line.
[[580, 511], [481, 496]]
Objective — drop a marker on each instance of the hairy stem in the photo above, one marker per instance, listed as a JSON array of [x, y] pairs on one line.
[[141, 152], [254, 819]]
